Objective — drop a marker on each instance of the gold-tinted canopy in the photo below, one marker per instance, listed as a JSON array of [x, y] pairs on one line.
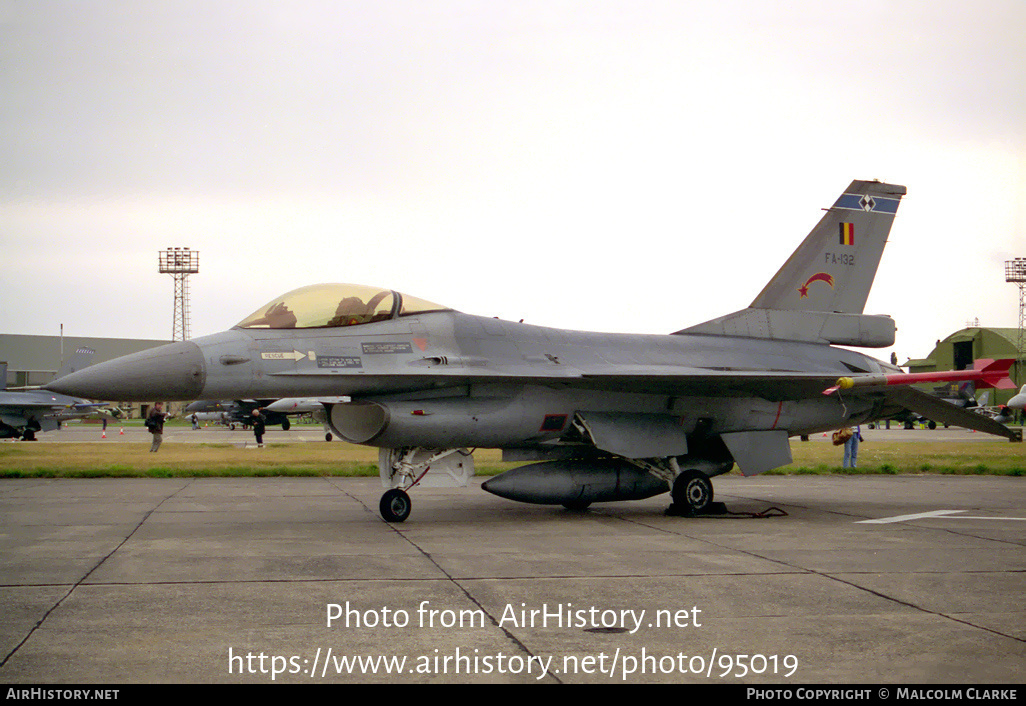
[[331, 305]]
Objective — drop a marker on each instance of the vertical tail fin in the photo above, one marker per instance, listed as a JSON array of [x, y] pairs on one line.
[[834, 267], [83, 358], [820, 292]]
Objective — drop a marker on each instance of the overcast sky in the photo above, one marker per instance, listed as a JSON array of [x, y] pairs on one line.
[[623, 166]]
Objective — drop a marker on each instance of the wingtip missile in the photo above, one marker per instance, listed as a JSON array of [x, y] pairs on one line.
[[985, 372]]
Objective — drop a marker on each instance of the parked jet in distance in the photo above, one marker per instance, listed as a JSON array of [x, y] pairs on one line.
[[25, 412], [964, 394], [1019, 400], [232, 412], [314, 406], [604, 416], [238, 412]]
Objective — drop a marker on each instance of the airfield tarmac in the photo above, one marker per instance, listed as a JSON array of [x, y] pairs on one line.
[[232, 580]]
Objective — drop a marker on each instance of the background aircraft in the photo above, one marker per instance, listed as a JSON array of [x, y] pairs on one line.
[[25, 412], [603, 416], [1018, 402], [964, 395], [232, 412], [315, 406], [238, 412]]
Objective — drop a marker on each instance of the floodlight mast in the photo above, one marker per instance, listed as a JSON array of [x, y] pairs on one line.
[[180, 263], [1015, 271]]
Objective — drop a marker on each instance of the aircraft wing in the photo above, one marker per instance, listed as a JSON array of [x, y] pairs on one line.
[[783, 385], [655, 379], [712, 382], [28, 403], [11, 404], [774, 386]]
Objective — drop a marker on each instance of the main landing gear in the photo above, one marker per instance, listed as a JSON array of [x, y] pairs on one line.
[[690, 489], [692, 494]]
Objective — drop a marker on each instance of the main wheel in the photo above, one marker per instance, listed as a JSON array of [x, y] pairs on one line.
[[692, 490], [286, 425], [395, 505], [327, 436]]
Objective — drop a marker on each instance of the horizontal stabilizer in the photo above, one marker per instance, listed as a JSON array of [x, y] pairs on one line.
[[865, 330], [944, 412], [820, 292]]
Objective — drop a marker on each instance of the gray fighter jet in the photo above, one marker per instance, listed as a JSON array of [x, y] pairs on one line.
[[604, 416], [25, 412], [239, 411]]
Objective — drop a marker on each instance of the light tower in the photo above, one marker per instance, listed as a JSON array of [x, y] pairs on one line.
[[1015, 271], [180, 263]]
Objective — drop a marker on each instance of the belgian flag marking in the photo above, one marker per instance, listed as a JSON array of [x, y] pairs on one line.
[[847, 233]]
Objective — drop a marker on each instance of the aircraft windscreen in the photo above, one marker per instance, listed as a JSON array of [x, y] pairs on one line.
[[332, 305], [416, 305]]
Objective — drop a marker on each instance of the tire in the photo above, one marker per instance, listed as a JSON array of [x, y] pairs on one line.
[[395, 505], [286, 425], [692, 491]]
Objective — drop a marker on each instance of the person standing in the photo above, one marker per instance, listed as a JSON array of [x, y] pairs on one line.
[[155, 425], [258, 427], [851, 448]]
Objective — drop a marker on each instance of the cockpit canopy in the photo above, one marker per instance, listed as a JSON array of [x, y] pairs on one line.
[[333, 305]]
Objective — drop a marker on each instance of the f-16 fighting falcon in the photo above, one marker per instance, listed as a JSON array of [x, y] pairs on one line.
[[603, 417]]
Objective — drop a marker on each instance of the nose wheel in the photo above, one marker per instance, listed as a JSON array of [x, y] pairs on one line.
[[395, 505]]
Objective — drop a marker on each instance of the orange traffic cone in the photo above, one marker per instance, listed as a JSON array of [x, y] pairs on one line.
[[104, 435], [122, 432]]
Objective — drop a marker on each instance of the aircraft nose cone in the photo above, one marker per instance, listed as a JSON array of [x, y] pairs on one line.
[[171, 372]]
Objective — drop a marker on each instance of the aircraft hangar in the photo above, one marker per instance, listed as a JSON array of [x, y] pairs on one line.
[[959, 350]]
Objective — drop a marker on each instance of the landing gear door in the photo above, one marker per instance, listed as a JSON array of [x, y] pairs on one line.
[[428, 468], [758, 451]]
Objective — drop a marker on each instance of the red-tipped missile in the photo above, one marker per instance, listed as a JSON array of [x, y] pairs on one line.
[[986, 373]]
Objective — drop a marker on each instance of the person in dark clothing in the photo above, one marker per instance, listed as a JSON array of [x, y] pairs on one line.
[[258, 427], [155, 425]]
